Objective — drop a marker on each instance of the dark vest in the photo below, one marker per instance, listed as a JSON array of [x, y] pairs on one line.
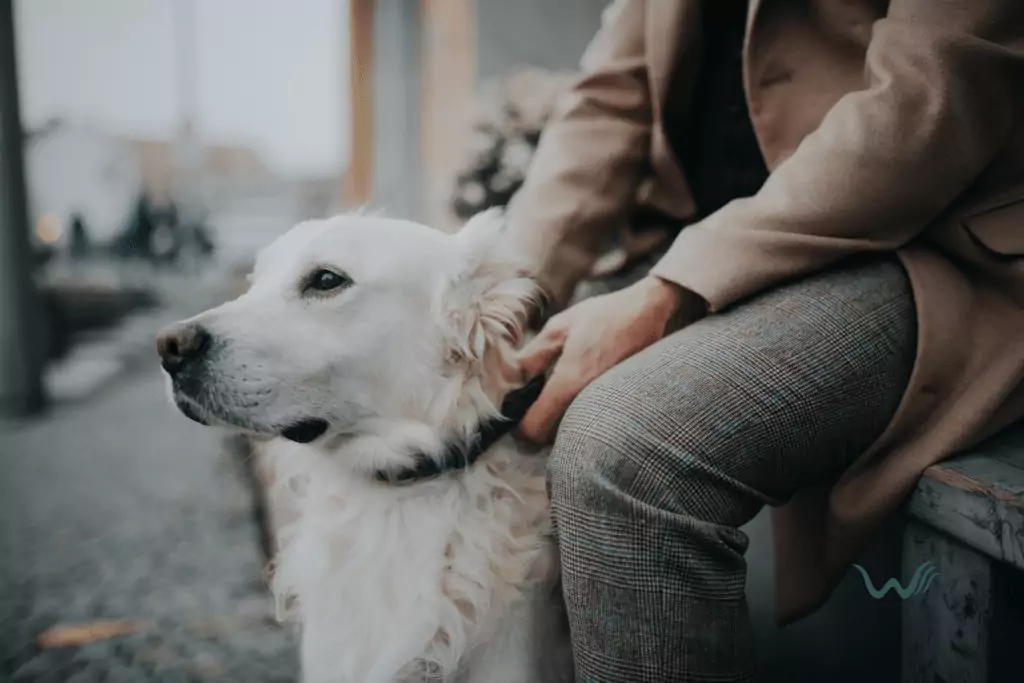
[[715, 141]]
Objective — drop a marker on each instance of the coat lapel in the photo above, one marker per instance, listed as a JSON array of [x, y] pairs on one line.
[[667, 26], [670, 26], [752, 12]]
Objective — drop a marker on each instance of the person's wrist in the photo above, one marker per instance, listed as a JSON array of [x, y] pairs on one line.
[[679, 305]]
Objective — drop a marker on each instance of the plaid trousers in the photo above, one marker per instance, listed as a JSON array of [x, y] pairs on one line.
[[662, 459]]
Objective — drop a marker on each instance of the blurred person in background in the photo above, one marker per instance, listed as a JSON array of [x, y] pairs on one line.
[[136, 240], [80, 247], [168, 236], [821, 207]]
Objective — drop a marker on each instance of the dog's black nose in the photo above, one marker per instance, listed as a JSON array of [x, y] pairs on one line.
[[180, 344]]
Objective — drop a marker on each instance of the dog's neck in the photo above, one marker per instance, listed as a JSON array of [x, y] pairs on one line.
[[460, 454]]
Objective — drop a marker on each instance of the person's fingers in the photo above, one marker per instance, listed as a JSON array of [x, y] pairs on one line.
[[541, 420], [541, 352]]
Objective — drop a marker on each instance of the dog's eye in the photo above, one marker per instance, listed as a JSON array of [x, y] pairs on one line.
[[324, 280]]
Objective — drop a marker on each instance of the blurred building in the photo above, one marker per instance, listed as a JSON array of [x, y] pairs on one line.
[[416, 69], [76, 168], [221, 165]]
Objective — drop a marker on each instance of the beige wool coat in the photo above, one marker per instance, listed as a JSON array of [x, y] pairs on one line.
[[886, 126]]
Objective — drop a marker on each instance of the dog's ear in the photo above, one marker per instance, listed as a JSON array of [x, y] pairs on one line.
[[491, 299]]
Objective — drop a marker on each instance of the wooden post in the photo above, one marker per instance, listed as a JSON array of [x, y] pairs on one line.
[[360, 172], [21, 354], [448, 100]]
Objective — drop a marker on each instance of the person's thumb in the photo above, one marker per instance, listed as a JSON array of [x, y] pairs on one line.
[[542, 419], [541, 353]]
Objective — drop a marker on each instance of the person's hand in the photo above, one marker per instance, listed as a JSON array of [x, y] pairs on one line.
[[596, 334]]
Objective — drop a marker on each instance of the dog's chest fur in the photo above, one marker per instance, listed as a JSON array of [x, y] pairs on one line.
[[412, 582]]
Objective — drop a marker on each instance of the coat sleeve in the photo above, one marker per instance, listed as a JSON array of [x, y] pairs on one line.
[[583, 180], [943, 91]]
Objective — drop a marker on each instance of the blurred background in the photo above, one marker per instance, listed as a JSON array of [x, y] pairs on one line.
[[148, 149]]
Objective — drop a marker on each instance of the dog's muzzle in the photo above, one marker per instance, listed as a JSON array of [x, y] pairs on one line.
[[184, 350], [182, 347], [188, 410]]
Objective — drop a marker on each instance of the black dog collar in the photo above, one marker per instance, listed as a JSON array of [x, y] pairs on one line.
[[461, 455]]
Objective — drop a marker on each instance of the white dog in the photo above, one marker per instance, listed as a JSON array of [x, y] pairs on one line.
[[370, 357]]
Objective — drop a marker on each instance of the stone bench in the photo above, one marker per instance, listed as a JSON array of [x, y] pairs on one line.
[[967, 518]]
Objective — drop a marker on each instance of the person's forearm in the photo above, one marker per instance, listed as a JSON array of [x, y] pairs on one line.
[[583, 179], [882, 165], [672, 304]]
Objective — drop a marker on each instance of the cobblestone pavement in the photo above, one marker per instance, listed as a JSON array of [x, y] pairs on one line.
[[117, 508]]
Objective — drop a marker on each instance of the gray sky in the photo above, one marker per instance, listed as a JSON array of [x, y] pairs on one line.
[[271, 73]]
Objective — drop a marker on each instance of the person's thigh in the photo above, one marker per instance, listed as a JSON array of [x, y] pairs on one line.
[[777, 393], [660, 461]]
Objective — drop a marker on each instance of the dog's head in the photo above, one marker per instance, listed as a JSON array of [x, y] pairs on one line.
[[358, 321]]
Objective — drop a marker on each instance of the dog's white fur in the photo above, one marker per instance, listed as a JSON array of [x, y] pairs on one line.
[[452, 579]]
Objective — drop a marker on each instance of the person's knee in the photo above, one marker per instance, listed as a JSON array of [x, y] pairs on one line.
[[591, 458], [617, 465], [616, 449], [610, 452]]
